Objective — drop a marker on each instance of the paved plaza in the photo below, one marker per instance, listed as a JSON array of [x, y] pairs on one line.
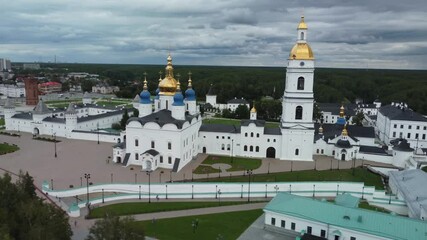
[[77, 157]]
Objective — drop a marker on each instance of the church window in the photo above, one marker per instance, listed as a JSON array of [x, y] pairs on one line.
[[251, 148], [425, 128], [401, 126], [333, 152], [302, 35], [167, 104], [252, 134], [317, 150], [409, 126], [222, 147], [170, 160], [153, 145], [136, 156], [169, 145], [296, 152], [300, 85], [257, 135], [418, 127], [409, 135], [222, 137], [401, 135], [161, 159], [424, 136], [298, 113], [228, 147], [217, 137], [257, 149], [268, 140], [274, 140], [394, 134], [245, 148], [321, 151], [246, 134], [136, 142]]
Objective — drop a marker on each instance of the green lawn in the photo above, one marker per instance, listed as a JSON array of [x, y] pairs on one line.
[[6, 148], [202, 169], [229, 121], [237, 163], [365, 205], [2, 122], [61, 101], [145, 207], [225, 121], [212, 226], [361, 175]]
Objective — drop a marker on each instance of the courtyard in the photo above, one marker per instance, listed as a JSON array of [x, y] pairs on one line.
[[77, 157]]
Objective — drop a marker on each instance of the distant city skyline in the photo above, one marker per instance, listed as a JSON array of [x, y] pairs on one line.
[[343, 34]]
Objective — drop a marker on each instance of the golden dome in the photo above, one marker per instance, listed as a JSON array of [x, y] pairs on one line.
[[253, 110], [342, 113], [168, 85], [301, 51], [344, 131], [302, 24]]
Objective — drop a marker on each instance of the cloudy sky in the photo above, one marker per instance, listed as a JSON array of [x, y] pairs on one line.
[[342, 33]]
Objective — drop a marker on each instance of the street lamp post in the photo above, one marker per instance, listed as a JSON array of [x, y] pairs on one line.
[[363, 191], [87, 176], [268, 171], [97, 130], [276, 188], [54, 143], [314, 190], [139, 192], [249, 172], [219, 197], [166, 191], [51, 184], [290, 188], [338, 189], [102, 195], [192, 191], [136, 175], [265, 191], [149, 185], [232, 147], [241, 192], [216, 191], [81, 182]]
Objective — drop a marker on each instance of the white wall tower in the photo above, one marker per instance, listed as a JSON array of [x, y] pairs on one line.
[[297, 106], [190, 97], [145, 106]]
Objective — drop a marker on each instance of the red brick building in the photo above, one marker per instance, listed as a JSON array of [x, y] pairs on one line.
[[31, 91]]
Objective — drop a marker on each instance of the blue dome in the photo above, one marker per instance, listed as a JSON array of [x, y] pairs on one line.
[[190, 94], [157, 93], [145, 97], [178, 99], [341, 121]]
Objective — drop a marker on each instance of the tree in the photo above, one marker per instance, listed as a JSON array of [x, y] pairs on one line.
[[358, 118], [135, 112], [23, 215], [226, 113], [115, 228], [242, 112], [124, 120], [87, 85]]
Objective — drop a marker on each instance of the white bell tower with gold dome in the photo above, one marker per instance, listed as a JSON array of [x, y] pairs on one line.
[[297, 106]]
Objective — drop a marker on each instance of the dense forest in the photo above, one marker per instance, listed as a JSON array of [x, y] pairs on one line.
[[252, 83]]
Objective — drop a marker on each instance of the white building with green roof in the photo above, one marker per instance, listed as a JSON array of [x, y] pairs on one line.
[[290, 213]]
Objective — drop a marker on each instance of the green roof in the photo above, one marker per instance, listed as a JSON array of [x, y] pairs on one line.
[[347, 200], [361, 220]]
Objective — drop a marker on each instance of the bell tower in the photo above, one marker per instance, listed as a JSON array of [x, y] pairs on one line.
[[297, 104]]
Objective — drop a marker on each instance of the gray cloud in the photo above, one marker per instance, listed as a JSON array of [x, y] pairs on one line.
[[378, 34]]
